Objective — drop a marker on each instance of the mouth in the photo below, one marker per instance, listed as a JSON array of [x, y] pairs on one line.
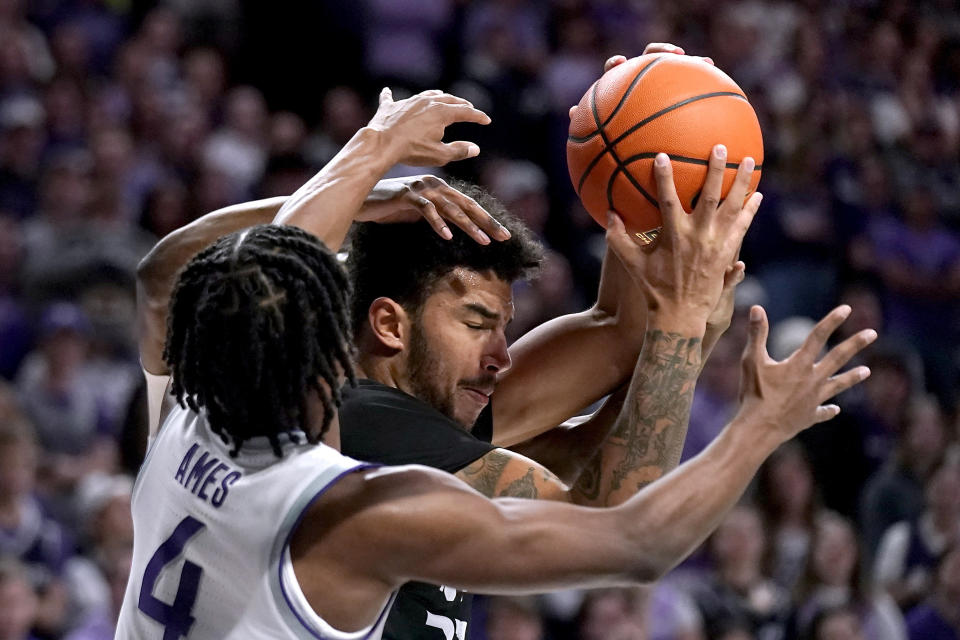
[[480, 396]]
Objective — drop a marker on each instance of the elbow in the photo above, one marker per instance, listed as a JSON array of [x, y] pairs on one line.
[[145, 268], [149, 267]]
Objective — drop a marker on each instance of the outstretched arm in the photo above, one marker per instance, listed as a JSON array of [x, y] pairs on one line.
[[378, 529]]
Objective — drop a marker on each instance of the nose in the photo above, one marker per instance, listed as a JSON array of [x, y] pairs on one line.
[[496, 357]]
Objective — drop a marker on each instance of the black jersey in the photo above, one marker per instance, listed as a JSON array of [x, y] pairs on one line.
[[382, 424]]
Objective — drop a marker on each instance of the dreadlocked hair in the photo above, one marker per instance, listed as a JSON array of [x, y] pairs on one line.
[[405, 261], [256, 321]]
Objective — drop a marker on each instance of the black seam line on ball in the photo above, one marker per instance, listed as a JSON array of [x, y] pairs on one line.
[[684, 159], [616, 158], [609, 145], [623, 100]]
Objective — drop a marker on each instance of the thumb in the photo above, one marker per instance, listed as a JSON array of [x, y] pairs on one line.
[[386, 95], [734, 275], [756, 348]]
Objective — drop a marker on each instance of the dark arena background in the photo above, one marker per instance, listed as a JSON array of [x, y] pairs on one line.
[[121, 121]]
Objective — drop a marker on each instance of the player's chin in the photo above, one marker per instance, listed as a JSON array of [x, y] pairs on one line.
[[468, 407]]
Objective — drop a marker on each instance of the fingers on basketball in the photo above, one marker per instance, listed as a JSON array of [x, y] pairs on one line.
[[650, 104]]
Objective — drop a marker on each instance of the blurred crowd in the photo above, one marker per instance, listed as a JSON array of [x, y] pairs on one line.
[[121, 121]]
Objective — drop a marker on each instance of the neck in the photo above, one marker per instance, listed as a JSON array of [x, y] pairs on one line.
[[382, 369], [332, 437]]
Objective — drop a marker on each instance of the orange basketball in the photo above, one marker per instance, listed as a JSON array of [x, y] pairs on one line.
[[660, 102]]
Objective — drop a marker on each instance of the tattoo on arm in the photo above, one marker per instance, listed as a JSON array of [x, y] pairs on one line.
[[648, 435], [484, 474], [525, 487]]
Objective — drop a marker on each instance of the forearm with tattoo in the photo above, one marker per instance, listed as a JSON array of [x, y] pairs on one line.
[[647, 438]]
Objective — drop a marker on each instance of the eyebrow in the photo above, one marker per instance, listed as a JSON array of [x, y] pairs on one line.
[[482, 310], [485, 312]]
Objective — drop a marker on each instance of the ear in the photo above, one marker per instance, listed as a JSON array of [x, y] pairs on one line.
[[389, 323]]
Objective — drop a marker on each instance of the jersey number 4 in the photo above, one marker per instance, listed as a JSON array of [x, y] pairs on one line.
[[176, 618]]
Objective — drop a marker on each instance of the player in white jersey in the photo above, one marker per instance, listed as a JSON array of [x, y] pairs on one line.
[[247, 526]]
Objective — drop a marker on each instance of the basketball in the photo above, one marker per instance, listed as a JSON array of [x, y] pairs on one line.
[[660, 102]]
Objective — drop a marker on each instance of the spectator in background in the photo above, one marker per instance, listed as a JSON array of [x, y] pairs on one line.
[[97, 581], [895, 492], [166, 208], [64, 402], [114, 563], [16, 335], [343, 114], [56, 240], [205, 78], [840, 623], [405, 41], [918, 261], [571, 70], [22, 140], [513, 619], [671, 614], [910, 551], [879, 415], [788, 501], [18, 603], [27, 533], [939, 617], [610, 614], [238, 149], [834, 579], [738, 597]]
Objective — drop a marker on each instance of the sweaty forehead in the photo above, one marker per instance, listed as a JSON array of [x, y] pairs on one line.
[[466, 286]]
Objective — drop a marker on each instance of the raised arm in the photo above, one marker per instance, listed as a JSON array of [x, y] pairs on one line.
[[681, 277], [382, 528], [570, 362]]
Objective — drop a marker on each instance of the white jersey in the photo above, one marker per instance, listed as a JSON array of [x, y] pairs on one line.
[[211, 554]]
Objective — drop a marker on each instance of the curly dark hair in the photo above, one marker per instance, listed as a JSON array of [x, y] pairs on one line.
[[256, 321], [404, 261]]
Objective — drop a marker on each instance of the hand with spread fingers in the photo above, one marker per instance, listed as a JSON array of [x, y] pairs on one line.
[[417, 124], [785, 397], [409, 199], [683, 270]]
